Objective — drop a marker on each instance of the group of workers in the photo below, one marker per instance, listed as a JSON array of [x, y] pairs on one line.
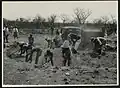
[[68, 46], [9, 31]]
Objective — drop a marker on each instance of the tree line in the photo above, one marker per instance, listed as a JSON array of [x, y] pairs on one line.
[[79, 18]]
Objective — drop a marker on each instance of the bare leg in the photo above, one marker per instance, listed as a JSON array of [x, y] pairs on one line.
[[64, 61], [37, 57], [69, 61], [51, 59], [30, 58], [7, 38]]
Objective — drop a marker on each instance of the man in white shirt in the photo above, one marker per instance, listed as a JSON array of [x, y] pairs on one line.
[[77, 44], [15, 32], [66, 52], [58, 39], [6, 34], [11, 29]]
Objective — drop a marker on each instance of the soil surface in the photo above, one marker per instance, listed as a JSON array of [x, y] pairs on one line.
[[83, 70]]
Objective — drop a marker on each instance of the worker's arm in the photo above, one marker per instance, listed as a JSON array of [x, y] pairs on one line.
[[99, 40], [69, 35]]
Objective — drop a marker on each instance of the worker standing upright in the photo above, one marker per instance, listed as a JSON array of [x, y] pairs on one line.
[[31, 40], [15, 32], [66, 53]]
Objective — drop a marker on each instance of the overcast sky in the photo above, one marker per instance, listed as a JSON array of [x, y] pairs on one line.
[[13, 10]]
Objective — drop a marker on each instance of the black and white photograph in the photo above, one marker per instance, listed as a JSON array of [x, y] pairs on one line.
[[59, 43]]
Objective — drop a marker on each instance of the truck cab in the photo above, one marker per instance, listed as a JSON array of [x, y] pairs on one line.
[[69, 29]]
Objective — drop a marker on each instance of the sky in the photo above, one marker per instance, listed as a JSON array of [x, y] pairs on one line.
[[13, 10]]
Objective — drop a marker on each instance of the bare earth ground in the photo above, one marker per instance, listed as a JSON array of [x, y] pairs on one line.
[[84, 69]]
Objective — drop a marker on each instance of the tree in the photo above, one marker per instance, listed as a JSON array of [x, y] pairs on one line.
[[51, 21], [113, 23], [27, 20], [5, 22], [22, 19], [97, 21], [113, 19], [109, 26], [104, 19], [38, 21], [81, 15], [16, 22], [64, 18]]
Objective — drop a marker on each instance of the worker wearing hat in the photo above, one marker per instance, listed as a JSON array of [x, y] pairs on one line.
[[66, 52], [31, 39]]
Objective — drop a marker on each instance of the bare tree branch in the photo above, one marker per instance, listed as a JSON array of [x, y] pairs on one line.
[[39, 20], [113, 19], [97, 21], [64, 18], [51, 21], [81, 15], [105, 19]]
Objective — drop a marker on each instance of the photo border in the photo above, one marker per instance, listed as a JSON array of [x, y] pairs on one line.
[[75, 84]]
